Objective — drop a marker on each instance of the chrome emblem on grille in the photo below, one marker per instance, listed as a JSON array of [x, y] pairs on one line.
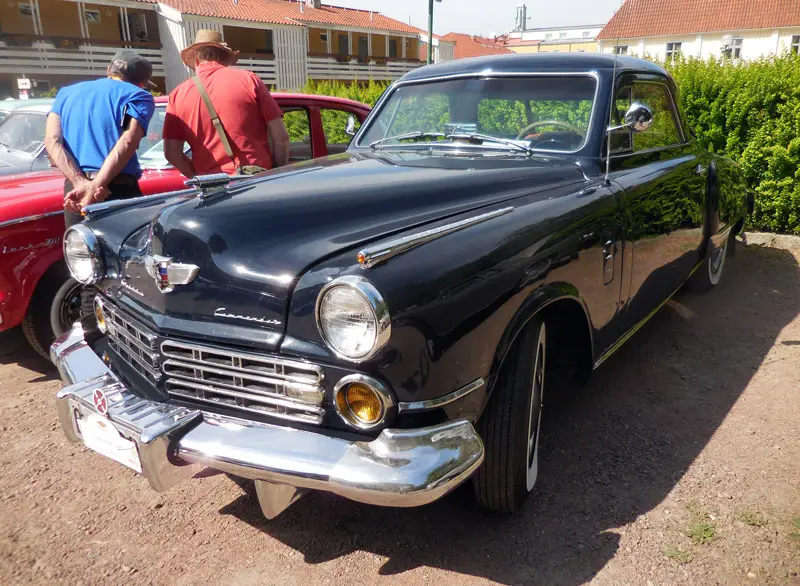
[[100, 401], [168, 274]]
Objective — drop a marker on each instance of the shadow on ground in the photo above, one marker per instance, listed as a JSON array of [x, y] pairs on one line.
[[611, 451], [14, 348]]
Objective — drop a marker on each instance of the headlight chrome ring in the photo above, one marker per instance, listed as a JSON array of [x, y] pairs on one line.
[[377, 306], [381, 399], [93, 254]]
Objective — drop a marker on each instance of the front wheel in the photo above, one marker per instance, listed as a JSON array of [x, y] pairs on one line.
[[511, 424]]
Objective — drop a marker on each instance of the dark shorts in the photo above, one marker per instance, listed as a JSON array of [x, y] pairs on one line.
[[123, 187]]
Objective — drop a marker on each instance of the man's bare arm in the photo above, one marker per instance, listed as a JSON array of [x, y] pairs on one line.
[[97, 189], [173, 152], [59, 154], [280, 139]]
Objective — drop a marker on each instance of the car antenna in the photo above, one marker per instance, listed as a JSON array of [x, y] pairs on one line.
[[611, 101]]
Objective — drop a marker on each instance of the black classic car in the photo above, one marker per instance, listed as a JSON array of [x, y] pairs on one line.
[[384, 323]]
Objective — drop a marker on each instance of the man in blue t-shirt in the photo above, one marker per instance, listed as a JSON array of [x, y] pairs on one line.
[[94, 129]]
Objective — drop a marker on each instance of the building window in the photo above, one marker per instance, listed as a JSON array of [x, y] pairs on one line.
[[736, 48], [673, 50], [323, 37], [548, 37], [796, 44], [392, 47], [585, 34], [363, 47], [562, 35], [92, 16], [621, 49], [25, 9]]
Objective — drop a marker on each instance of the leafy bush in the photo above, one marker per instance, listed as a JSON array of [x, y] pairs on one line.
[[751, 113]]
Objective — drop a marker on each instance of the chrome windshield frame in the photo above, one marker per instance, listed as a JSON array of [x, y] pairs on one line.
[[488, 74]]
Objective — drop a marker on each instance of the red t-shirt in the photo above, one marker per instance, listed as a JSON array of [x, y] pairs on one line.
[[244, 106]]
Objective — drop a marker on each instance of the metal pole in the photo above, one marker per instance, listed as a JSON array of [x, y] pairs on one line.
[[430, 32]]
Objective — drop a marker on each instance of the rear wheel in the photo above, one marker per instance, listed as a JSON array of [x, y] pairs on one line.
[[709, 274], [54, 307], [510, 426]]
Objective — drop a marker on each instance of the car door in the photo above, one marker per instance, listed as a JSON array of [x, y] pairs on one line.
[[663, 180]]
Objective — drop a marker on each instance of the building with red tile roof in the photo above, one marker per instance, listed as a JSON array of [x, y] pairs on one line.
[[745, 29], [473, 46]]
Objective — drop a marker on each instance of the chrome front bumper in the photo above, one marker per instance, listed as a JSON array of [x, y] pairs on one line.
[[400, 468]]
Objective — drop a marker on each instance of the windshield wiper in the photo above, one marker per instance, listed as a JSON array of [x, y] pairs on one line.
[[486, 137], [408, 136]]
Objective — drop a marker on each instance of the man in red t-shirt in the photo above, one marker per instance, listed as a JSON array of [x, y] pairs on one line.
[[250, 118]]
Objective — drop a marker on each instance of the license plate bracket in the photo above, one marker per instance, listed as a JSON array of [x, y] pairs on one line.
[[100, 435]]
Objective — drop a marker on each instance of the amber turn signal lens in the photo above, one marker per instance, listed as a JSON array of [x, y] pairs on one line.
[[99, 315], [361, 403]]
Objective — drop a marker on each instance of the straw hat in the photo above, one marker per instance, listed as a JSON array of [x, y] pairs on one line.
[[208, 38]]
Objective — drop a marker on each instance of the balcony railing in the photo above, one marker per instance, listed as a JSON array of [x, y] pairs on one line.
[[262, 64], [352, 67], [31, 54]]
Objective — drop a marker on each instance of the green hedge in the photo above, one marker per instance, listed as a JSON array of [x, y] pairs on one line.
[[751, 113], [747, 111]]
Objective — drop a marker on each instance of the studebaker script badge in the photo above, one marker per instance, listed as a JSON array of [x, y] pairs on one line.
[[168, 274]]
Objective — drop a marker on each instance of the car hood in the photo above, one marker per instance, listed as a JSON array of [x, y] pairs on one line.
[[30, 194], [252, 242], [14, 161]]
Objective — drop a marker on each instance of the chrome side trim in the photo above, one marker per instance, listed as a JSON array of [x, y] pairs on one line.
[[441, 401], [378, 253], [31, 218]]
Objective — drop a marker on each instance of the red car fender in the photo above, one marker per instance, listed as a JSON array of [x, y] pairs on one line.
[[27, 251]]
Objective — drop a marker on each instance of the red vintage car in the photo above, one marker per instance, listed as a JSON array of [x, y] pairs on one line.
[[35, 288]]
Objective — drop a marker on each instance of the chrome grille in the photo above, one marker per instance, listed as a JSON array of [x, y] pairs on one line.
[[240, 380], [137, 346]]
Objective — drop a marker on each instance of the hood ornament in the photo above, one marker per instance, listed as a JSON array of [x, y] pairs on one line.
[[168, 274]]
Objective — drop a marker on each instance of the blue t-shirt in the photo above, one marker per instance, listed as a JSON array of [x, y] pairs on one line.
[[93, 118]]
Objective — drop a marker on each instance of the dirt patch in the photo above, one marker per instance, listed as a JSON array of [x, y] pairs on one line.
[[679, 463]]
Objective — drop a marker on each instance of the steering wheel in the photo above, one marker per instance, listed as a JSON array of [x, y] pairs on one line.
[[529, 127]]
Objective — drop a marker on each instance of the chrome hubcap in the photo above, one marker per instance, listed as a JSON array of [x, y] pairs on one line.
[[717, 262], [535, 416]]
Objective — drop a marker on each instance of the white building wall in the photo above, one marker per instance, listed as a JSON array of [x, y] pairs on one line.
[[291, 51], [447, 51], [755, 44], [173, 41], [571, 32]]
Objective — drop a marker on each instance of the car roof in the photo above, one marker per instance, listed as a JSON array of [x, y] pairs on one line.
[[534, 63], [35, 105]]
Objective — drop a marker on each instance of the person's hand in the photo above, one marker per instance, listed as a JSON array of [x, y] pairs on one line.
[[84, 194]]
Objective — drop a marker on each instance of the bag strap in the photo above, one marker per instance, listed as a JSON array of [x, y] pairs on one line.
[[223, 137]]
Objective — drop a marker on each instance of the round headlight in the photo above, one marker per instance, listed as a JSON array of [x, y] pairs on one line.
[[362, 401], [82, 253], [353, 318]]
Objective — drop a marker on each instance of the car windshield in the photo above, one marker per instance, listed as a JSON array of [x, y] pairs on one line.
[[151, 148], [23, 132], [547, 113]]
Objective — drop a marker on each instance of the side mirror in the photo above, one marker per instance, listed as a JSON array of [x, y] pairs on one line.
[[638, 118], [351, 125]]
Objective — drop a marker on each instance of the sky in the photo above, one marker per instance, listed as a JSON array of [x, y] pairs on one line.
[[484, 17]]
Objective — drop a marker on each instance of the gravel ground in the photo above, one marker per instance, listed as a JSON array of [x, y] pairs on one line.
[[679, 463]]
